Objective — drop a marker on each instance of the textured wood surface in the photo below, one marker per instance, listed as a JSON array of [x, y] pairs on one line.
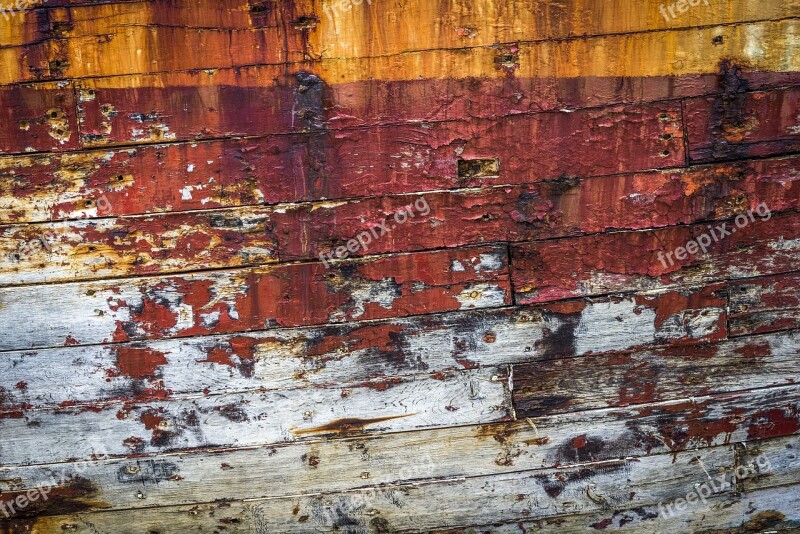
[[193, 339]]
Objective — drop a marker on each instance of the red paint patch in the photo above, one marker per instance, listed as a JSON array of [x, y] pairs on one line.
[[139, 362]]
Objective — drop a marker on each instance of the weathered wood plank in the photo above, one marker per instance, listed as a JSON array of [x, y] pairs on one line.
[[424, 506], [696, 53], [639, 260], [253, 298], [240, 172], [174, 104], [773, 510], [250, 235], [110, 39], [146, 245], [38, 117], [554, 209], [777, 460], [736, 124], [421, 25], [765, 304], [250, 419], [619, 379], [158, 178], [340, 30], [355, 352], [399, 153], [377, 459]]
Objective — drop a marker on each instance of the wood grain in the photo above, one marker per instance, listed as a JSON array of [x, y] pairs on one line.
[[620, 379], [254, 298], [250, 419], [279, 359]]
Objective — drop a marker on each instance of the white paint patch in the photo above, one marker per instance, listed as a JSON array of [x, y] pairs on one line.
[[785, 244], [489, 262], [382, 293], [209, 320], [481, 296], [607, 326]]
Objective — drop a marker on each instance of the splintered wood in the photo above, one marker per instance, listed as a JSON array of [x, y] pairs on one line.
[[369, 266]]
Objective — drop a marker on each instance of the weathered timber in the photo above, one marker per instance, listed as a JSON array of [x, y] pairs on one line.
[[620, 379], [339, 30], [354, 352], [155, 308], [737, 124], [629, 54], [146, 245], [379, 458], [765, 304], [171, 106], [774, 510], [38, 117], [251, 419], [623, 261], [521, 495], [254, 298]]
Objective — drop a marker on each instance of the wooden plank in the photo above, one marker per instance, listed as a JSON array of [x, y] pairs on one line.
[[250, 235], [148, 179], [145, 115], [637, 260], [425, 506], [145, 245], [765, 304], [354, 352], [253, 298], [38, 117], [376, 29], [196, 105], [110, 39], [620, 379], [341, 31], [774, 510], [251, 419], [736, 124], [390, 458], [554, 209], [369, 102], [625, 54], [775, 461], [261, 99], [237, 172], [695, 51]]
